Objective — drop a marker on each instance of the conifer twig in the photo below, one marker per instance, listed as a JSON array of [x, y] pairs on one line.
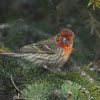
[[14, 83]]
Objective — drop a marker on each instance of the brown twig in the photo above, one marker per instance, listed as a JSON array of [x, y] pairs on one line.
[[14, 83]]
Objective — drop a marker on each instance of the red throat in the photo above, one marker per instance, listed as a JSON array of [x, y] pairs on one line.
[[64, 46], [67, 50]]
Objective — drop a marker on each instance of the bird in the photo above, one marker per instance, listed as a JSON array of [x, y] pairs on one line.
[[51, 54]]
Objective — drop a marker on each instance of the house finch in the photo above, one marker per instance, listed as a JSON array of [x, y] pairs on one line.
[[51, 53]]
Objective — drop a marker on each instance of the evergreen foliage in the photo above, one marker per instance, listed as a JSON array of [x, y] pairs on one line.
[[41, 84]]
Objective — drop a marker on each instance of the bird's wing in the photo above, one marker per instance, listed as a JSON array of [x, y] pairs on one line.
[[45, 47]]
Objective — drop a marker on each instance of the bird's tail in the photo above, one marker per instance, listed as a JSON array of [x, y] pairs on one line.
[[16, 55]]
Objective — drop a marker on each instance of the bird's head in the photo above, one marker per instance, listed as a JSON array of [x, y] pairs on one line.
[[65, 38]]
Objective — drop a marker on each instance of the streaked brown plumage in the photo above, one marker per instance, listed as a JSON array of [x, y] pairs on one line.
[[51, 53]]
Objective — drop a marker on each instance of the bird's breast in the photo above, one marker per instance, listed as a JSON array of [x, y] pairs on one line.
[[67, 53]]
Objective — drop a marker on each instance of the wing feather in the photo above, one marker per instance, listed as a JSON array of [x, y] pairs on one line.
[[45, 47]]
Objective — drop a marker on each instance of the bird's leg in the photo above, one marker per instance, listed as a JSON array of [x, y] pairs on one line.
[[48, 68], [53, 69]]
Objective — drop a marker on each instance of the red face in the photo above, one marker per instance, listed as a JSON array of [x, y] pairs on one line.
[[65, 38]]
